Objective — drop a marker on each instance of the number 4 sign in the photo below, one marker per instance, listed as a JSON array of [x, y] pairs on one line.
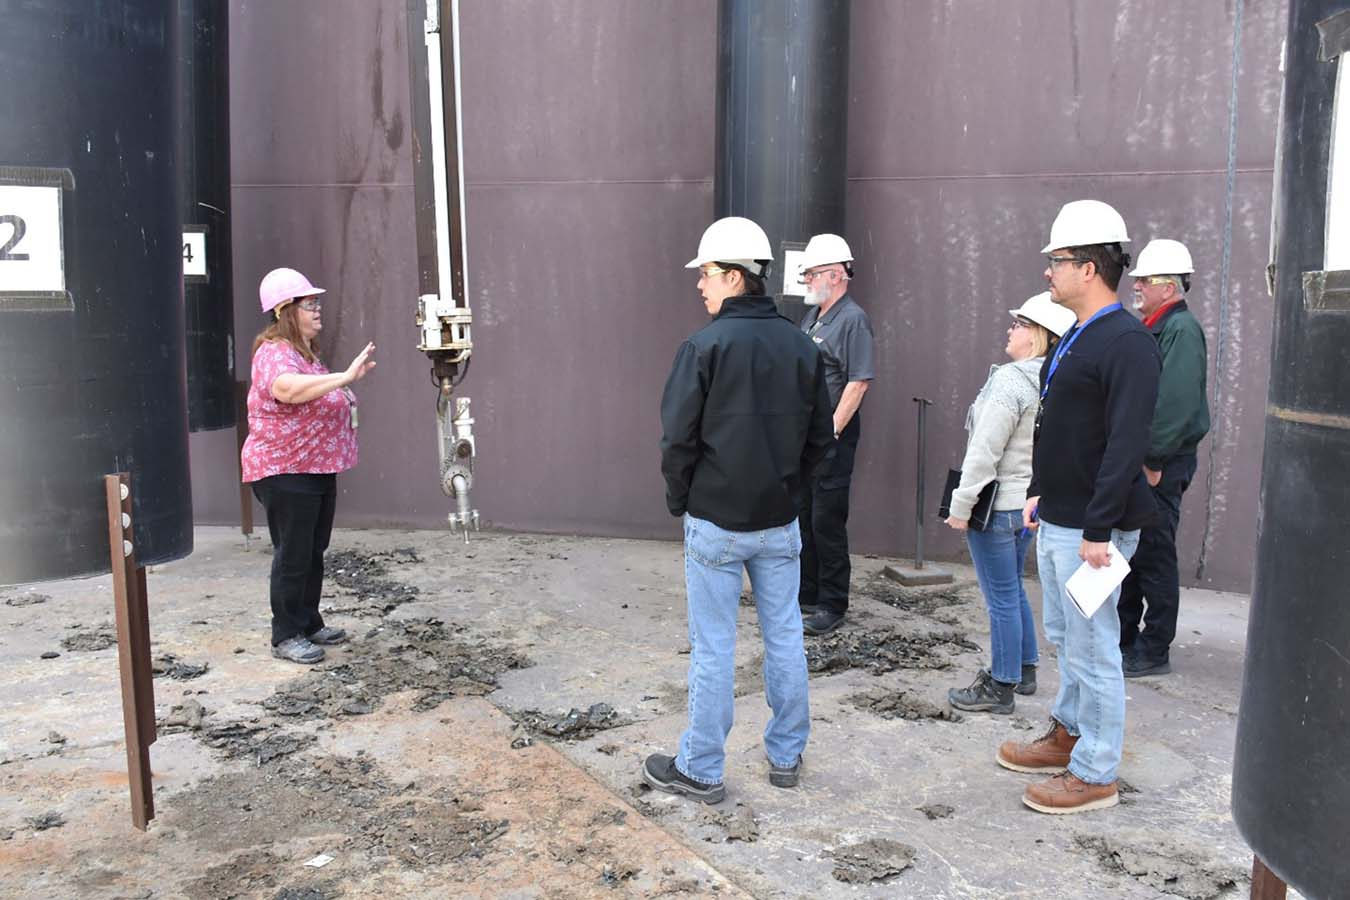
[[32, 259]]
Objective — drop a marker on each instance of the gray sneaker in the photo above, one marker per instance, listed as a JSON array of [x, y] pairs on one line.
[[299, 650], [785, 776], [328, 635]]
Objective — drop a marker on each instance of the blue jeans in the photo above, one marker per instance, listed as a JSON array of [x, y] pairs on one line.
[[713, 558], [1091, 698], [999, 553]]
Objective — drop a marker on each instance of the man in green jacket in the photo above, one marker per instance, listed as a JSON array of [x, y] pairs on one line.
[[1180, 422]]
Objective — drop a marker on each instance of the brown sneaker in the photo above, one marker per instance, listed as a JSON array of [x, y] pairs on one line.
[[1048, 753], [1065, 793]]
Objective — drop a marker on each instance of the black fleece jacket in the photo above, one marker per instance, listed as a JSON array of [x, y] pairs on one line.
[[1087, 465], [745, 416]]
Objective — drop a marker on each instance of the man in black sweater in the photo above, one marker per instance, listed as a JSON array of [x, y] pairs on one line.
[[745, 415], [1088, 493]]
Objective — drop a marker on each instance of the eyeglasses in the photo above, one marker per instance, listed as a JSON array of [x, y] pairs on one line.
[[311, 304], [809, 276], [1019, 322], [1055, 261], [710, 271], [1156, 279]]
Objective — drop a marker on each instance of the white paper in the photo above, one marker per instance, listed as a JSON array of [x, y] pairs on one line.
[[1088, 587], [319, 861]]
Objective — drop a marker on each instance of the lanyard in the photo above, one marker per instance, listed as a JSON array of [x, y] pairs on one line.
[[1065, 344]]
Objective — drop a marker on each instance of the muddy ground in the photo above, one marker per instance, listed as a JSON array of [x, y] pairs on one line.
[[481, 733]]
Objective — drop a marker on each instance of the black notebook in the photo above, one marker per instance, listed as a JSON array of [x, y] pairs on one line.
[[984, 505]]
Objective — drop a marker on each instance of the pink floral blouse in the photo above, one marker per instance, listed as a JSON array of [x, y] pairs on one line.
[[314, 438]]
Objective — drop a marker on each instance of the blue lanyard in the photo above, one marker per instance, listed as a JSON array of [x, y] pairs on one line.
[[1065, 344]]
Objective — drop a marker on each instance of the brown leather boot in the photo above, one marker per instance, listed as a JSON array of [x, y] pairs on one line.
[[1048, 753], [1066, 793]]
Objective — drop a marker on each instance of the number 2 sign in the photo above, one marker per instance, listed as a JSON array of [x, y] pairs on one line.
[[31, 258]]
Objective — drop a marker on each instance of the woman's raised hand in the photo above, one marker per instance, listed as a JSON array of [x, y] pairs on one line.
[[362, 364]]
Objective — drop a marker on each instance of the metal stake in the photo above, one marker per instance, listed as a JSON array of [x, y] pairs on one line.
[[919, 504], [133, 648], [1266, 885]]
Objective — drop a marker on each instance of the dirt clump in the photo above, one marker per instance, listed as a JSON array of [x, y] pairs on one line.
[[884, 650], [26, 598], [902, 705], [244, 875], [170, 665], [50, 819], [1165, 865], [936, 810], [423, 832], [365, 577], [921, 600], [255, 740], [573, 725], [100, 637], [738, 825], [426, 655], [185, 716], [876, 859]]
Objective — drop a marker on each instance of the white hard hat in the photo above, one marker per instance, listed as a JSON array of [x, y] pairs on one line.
[[734, 240], [1082, 223], [1163, 257], [1044, 311], [824, 249]]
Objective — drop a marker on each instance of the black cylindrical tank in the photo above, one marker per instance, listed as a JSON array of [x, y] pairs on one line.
[[92, 369], [204, 166], [1291, 793], [782, 117]]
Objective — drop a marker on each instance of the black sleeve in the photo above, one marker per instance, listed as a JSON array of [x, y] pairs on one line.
[[820, 432], [1034, 488], [681, 417], [1129, 372]]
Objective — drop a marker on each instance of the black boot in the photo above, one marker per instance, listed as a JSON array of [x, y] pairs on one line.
[[1027, 686], [984, 695]]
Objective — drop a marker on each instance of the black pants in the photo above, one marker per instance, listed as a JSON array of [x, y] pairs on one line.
[[300, 520], [1154, 577], [824, 525]]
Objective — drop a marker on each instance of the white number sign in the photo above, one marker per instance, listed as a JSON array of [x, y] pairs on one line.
[[31, 258], [194, 253]]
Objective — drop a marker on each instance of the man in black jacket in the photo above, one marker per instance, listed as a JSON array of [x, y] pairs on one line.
[[745, 415], [1098, 389]]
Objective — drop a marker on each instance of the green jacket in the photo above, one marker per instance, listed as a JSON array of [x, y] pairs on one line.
[[1181, 418]]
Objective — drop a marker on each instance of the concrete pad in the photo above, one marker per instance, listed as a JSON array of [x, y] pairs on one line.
[[600, 621], [914, 577]]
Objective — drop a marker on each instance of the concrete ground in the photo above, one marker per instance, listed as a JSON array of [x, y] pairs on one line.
[[433, 756]]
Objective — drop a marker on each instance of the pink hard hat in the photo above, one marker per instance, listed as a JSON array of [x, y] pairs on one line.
[[281, 285]]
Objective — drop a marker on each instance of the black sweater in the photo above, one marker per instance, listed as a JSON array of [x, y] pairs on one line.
[[745, 415], [1094, 429]]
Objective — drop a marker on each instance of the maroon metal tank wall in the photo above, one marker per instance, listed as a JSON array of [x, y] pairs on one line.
[[589, 154]]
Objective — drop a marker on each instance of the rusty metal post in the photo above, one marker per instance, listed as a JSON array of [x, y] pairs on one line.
[[240, 435], [922, 464], [133, 648], [1266, 885]]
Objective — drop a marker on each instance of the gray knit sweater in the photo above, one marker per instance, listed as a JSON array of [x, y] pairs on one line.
[[1000, 424]]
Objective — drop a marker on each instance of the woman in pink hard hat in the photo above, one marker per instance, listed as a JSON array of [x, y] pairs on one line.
[[301, 433]]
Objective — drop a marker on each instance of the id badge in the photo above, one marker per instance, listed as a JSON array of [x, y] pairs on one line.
[[355, 419]]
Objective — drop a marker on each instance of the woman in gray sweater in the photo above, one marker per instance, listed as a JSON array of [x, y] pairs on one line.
[[1000, 424]]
